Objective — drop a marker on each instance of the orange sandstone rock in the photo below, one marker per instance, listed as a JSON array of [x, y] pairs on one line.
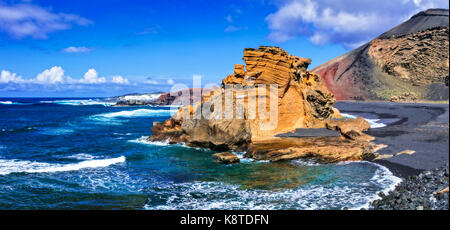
[[302, 101]]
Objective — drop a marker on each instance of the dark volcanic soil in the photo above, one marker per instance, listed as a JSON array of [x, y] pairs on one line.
[[420, 127]]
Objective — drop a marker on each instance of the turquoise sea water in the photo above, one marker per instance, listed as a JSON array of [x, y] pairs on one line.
[[84, 154]]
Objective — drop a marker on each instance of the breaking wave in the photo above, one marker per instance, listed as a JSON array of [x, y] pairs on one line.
[[137, 113], [374, 123], [144, 140], [23, 166], [13, 103], [80, 102]]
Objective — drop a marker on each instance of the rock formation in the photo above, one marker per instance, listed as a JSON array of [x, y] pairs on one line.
[[225, 158], [411, 58], [300, 102]]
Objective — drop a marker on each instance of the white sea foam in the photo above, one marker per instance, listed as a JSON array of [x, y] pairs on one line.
[[122, 134], [218, 195], [243, 159], [80, 102], [12, 103], [374, 123], [136, 113], [8, 166], [144, 140], [108, 179], [82, 156], [143, 97], [305, 162], [383, 177]]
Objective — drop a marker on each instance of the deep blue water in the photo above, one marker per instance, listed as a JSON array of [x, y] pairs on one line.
[[84, 154]]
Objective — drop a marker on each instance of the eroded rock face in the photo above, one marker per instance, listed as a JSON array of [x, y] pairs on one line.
[[301, 101], [304, 101]]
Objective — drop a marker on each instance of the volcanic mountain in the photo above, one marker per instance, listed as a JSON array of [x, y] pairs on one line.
[[410, 61]]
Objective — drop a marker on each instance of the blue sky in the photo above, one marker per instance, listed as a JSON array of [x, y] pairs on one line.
[[111, 47]]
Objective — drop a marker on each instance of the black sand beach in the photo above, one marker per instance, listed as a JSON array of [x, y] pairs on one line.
[[421, 127]]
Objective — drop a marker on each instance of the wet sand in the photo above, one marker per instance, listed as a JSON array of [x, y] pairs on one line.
[[421, 127]]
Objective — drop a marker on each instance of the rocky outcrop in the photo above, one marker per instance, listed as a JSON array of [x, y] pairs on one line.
[[301, 102], [225, 158], [321, 149], [411, 58], [350, 128]]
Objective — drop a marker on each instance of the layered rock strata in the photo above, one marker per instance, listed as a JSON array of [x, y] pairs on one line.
[[299, 101]]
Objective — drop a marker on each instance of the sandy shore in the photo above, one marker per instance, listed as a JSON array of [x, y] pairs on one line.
[[416, 126]]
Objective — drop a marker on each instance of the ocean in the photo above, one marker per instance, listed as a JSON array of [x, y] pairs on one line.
[[78, 153]]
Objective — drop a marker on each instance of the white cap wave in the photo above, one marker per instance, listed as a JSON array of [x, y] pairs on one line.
[[8, 166]]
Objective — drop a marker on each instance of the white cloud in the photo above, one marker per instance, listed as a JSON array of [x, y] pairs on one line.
[[54, 82], [51, 76], [28, 20], [91, 77], [120, 80], [6, 77], [170, 81], [74, 49], [346, 22]]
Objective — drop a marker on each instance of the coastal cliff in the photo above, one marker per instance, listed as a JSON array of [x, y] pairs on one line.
[[301, 103]]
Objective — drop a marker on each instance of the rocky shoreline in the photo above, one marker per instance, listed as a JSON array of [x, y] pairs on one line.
[[426, 191]]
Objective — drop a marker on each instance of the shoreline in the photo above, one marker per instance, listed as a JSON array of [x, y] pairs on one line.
[[422, 127]]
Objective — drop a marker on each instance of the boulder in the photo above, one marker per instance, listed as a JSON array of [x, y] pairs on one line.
[[350, 128], [225, 158]]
